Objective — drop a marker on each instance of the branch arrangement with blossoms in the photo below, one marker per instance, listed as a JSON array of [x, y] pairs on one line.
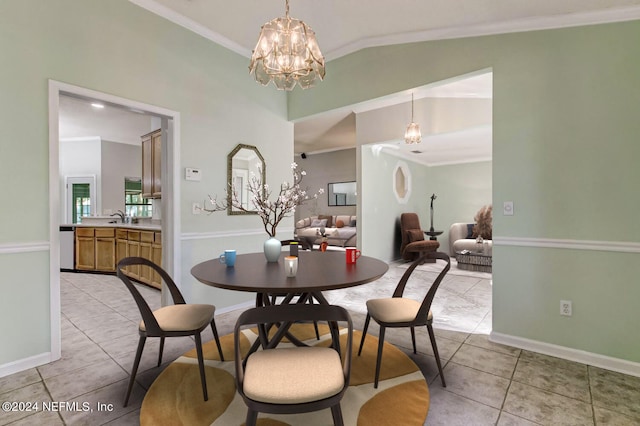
[[271, 212]]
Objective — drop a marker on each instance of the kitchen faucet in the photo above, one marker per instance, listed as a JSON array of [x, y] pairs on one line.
[[119, 213]]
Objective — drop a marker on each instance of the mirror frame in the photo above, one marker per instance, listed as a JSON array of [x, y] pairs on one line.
[[263, 177]]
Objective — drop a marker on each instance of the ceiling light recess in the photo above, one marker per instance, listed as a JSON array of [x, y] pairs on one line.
[[412, 135], [287, 53]]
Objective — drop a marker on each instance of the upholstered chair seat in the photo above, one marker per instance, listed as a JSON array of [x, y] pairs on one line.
[[274, 376], [281, 379], [183, 317], [394, 309]]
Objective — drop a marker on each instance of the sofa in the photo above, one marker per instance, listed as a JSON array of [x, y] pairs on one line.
[[340, 230], [461, 238]]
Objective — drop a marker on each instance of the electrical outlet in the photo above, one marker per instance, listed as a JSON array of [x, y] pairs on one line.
[[196, 208], [565, 308]]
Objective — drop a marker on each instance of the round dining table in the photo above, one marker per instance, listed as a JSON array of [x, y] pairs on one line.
[[317, 272]]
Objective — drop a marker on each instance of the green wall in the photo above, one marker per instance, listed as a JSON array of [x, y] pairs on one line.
[[461, 189], [379, 209], [565, 152], [120, 49]]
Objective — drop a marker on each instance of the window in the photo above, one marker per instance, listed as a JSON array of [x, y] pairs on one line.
[[81, 202], [134, 203]]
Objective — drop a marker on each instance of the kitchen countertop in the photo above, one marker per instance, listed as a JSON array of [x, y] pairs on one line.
[[141, 226]]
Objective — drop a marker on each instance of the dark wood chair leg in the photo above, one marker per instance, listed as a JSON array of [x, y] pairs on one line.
[[336, 413], [252, 417], [160, 351], [217, 339], [432, 337], [201, 366], [379, 358], [413, 339], [364, 333], [134, 370]]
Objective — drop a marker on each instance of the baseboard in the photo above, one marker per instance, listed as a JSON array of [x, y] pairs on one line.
[[25, 364], [243, 305], [597, 360]]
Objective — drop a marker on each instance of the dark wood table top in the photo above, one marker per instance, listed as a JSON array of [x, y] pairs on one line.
[[317, 271]]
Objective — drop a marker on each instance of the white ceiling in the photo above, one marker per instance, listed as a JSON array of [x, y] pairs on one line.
[[79, 120]]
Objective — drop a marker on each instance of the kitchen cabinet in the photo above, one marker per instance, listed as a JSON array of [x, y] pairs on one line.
[[95, 249], [156, 257], [133, 248], [105, 249], [85, 249], [145, 244], [121, 245], [152, 164], [99, 249], [146, 241]]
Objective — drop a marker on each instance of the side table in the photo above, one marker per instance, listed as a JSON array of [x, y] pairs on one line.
[[433, 235]]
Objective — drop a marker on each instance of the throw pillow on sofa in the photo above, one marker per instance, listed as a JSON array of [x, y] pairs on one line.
[[339, 224], [317, 223], [329, 222]]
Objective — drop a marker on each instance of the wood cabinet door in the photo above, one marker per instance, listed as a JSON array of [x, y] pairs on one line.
[[147, 166], [133, 248], [156, 254], [156, 140], [145, 271], [105, 254], [85, 253], [122, 250]]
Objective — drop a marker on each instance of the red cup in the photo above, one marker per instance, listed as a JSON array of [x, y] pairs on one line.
[[352, 255]]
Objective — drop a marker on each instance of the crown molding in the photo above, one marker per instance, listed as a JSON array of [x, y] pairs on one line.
[[519, 25], [514, 26], [190, 24]]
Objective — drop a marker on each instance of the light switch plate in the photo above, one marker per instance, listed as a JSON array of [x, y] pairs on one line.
[[196, 208], [507, 208]]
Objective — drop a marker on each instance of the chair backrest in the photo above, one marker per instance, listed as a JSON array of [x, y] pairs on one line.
[[423, 312], [410, 223], [150, 323], [275, 314]]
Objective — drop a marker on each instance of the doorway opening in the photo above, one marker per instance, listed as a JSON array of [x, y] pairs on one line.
[[80, 196], [169, 122]]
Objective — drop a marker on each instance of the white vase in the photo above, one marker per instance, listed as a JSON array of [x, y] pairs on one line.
[[272, 249]]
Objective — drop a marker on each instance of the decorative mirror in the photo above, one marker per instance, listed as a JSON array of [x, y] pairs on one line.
[[402, 182], [243, 162], [342, 193]]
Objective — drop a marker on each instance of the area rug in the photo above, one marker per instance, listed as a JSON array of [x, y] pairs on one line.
[[175, 398]]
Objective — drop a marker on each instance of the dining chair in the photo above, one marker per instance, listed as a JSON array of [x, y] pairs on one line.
[[179, 319], [287, 380], [398, 311]]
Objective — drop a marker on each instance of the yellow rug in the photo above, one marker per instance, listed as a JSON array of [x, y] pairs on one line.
[[175, 398]]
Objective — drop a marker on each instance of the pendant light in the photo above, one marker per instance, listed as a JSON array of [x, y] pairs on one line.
[[287, 53], [412, 135]]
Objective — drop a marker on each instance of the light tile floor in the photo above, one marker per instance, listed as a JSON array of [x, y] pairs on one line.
[[486, 383]]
